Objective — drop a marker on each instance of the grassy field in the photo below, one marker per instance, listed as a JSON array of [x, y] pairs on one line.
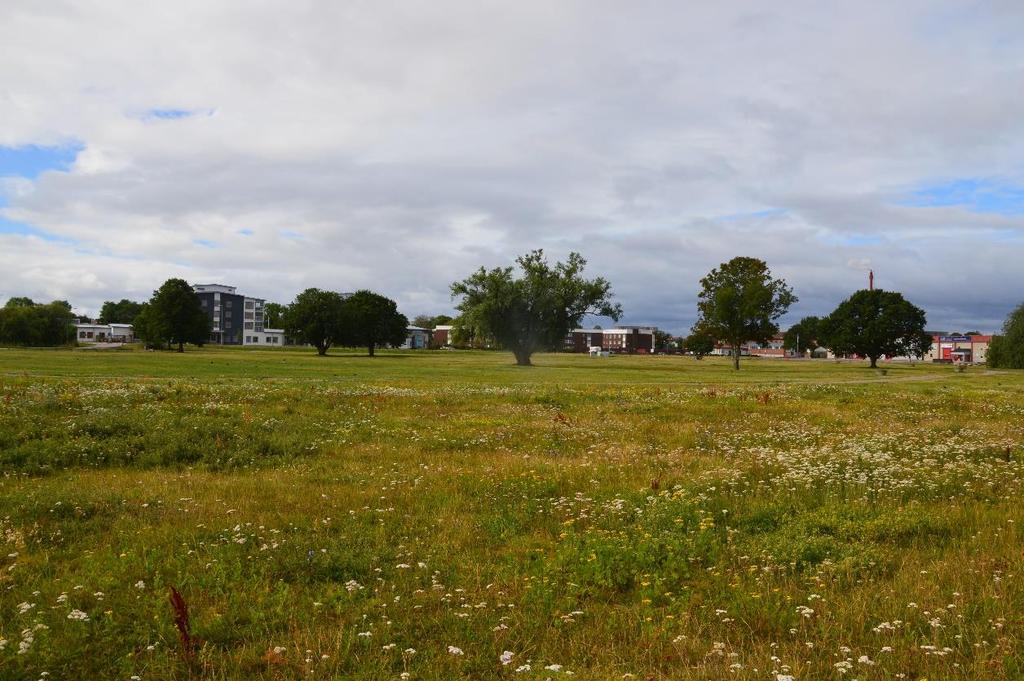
[[445, 515]]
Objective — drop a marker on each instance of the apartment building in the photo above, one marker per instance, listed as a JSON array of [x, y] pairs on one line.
[[234, 319]]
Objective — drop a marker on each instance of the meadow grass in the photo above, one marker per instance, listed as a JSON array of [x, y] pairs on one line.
[[450, 515]]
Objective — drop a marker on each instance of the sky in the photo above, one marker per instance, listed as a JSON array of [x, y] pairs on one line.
[[399, 146]]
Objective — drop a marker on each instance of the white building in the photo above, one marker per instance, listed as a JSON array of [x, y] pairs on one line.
[[104, 333], [272, 338]]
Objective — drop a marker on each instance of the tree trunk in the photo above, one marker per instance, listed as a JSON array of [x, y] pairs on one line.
[[370, 347], [736, 357], [321, 349], [181, 346], [874, 362], [522, 357]]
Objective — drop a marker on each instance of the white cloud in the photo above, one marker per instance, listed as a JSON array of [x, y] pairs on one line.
[[400, 146]]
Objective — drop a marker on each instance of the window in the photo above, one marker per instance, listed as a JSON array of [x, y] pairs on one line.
[[255, 339], [229, 303], [248, 325], [81, 334], [248, 304]]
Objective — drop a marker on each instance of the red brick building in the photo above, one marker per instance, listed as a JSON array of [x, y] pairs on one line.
[[622, 339]]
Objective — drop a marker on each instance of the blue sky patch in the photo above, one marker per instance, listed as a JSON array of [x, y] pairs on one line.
[[245, 232], [171, 114], [980, 195], [861, 240], [753, 215], [31, 160], [22, 229], [206, 243]]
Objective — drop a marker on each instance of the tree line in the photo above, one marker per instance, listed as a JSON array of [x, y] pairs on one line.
[[739, 302], [174, 316], [532, 306], [31, 324]]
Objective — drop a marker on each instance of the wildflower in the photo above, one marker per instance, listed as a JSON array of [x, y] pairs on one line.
[[506, 657], [365, 634], [454, 650], [784, 677], [523, 668], [140, 584], [25, 607], [78, 615], [554, 667]]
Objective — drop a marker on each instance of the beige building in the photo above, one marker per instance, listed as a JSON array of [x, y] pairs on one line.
[[959, 349]]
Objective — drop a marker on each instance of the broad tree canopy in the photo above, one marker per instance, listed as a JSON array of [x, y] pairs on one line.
[[740, 301], [175, 315], [316, 317], [873, 323], [536, 310], [372, 320]]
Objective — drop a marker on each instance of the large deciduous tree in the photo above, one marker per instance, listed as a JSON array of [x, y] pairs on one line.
[[740, 301], [534, 311], [1007, 349], [123, 311], [873, 323], [803, 336], [316, 317], [175, 315], [372, 321]]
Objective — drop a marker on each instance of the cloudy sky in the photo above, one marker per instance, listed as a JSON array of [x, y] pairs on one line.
[[399, 146]]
